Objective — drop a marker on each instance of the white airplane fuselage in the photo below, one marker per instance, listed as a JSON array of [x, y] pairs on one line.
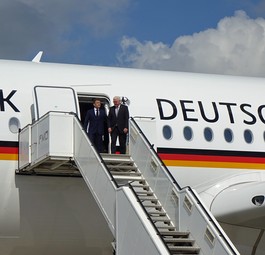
[[208, 129]]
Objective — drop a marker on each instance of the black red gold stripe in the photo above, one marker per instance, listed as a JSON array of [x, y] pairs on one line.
[[212, 158], [8, 150]]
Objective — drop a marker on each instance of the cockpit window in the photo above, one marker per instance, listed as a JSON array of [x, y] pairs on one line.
[[167, 132]]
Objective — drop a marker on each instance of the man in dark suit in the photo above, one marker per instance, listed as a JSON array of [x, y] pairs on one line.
[[94, 124], [118, 124]]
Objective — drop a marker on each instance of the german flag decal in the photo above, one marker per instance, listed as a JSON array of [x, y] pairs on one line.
[[8, 150], [212, 158]]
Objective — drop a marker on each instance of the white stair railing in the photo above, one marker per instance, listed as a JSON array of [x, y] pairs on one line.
[[185, 209]]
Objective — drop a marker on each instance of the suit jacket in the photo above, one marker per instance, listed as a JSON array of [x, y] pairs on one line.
[[96, 123], [120, 121]]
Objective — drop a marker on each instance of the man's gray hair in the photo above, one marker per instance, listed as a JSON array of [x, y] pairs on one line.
[[117, 98]]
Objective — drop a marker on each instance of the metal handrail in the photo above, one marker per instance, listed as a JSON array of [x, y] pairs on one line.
[[175, 183], [149, 217]]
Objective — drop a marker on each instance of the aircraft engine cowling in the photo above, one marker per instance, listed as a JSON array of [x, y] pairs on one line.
[[241, 204]]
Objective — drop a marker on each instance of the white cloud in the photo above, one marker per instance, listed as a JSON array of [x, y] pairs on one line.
[[236, 46], [55, 25]]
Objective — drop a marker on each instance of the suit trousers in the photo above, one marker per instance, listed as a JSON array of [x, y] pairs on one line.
[[122, 140], [96, 140]]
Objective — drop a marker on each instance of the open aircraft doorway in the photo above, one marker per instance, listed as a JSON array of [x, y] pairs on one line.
[[86, 103]]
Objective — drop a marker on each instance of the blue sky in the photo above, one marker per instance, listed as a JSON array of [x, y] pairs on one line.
[[200, 36]]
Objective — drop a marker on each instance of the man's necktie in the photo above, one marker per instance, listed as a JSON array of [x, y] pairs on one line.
[[97, 113]]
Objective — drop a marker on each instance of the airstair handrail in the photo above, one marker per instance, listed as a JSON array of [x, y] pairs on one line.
[[97, 176], [199, 203], [148, 216], [151, 146], [96, 152]]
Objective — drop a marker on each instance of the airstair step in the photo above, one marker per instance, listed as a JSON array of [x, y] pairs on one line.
[[144, 186], [125, 173], [144, 193], [156, 213], [160, 219], [115, 162], [160, 224], [184, 249], [175, 233], [153, 206], [116, 157], [128, 178], [184, 241], [154, 216], [150, 198], [122, 168], [166, 227]]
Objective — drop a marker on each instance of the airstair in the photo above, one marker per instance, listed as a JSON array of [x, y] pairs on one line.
[[124, 171], [146, 210]]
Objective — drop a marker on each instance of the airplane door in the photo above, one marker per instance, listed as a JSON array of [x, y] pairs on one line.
[[52, 98]]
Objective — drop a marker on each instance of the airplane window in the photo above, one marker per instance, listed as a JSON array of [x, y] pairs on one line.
[[167, 132], [14, 125], [248, 136], [188, 134], [208, 134], [228, 134]]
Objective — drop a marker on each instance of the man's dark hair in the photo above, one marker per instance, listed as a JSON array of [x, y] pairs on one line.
[[95, 99]]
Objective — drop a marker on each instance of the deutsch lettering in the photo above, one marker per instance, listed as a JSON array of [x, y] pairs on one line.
[[7, 100], [193, 111]]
